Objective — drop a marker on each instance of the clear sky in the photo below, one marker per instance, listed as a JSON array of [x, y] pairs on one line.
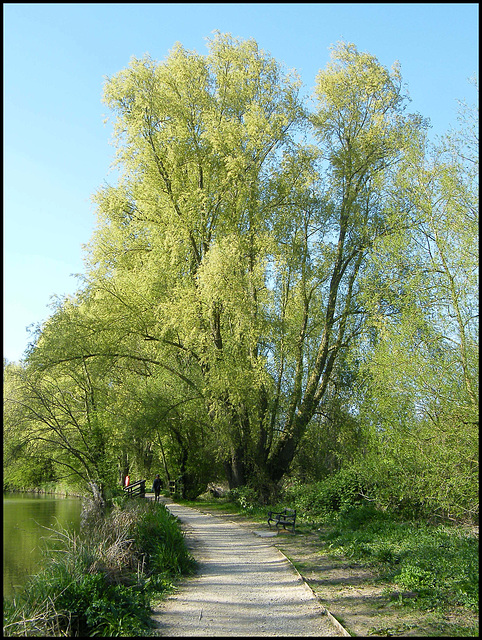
[[57, 150]]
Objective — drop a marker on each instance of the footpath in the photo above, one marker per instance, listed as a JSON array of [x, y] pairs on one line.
[[244, 586]]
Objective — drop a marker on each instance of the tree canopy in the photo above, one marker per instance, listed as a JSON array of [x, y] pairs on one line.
[[261, 272]]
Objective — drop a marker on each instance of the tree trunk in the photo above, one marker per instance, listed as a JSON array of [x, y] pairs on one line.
[[235, 469], [123, 467], [164, 461]]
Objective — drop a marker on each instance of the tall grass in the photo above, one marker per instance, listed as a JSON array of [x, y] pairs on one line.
[[102, 581]]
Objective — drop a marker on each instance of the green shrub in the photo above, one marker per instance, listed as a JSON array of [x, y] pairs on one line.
[[100, 608], [245, 497], [101, 583], [328, 497]]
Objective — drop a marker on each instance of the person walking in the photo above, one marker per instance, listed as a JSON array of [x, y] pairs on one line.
[[156, 487]]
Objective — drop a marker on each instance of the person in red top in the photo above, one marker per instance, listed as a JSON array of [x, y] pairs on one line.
[[127, 481]]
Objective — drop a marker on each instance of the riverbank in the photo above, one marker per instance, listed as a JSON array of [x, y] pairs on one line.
[[28, 519], [52, 488], [103, 581]]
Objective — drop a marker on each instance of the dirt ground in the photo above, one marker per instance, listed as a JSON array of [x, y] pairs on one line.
[[350, 591]]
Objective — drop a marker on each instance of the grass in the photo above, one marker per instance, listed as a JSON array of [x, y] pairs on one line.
[[104, 581], [436, 564]]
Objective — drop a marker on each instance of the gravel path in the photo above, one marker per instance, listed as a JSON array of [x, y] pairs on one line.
[[244, 587]]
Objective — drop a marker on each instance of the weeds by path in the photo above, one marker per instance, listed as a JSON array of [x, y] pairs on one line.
[[103, 581]]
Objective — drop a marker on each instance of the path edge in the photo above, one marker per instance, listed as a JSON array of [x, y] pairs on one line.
[[331, 617]]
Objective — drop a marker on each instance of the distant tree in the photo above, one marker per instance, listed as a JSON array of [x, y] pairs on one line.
[[61, 404], [25, 464]]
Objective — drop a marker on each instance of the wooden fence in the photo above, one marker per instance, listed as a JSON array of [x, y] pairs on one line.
[[136, 489]]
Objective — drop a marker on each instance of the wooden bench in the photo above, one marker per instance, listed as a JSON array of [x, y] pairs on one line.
[[287, 518]]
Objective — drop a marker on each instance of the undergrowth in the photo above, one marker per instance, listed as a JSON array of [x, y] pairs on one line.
[[436, 566], [102, 582]]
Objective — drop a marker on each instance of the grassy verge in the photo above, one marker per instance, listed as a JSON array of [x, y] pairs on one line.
[[103, 582], [437, 565]]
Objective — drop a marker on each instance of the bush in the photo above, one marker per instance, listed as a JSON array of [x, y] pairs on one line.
[[427, 471], [100, 608], [247, 498], [328, 497]]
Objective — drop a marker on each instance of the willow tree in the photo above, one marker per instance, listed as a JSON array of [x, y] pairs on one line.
[[228, 254], [362, 137], [178, 265], [54, 415]]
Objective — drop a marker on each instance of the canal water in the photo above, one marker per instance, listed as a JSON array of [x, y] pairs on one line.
[[25, 537]]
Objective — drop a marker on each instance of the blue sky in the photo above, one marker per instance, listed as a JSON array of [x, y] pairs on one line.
[[57, 150]]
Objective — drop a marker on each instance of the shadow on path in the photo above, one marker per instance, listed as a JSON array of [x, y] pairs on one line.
[[244, 587]]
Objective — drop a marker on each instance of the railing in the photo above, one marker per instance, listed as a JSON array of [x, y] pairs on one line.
[[176, 487], [136, 489]]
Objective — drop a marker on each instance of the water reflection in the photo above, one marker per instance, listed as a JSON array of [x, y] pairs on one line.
[[24, 535]]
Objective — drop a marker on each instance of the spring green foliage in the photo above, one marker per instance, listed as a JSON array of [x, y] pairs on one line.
[[270, 289], [102, 582], [422, 402], [55, 413]]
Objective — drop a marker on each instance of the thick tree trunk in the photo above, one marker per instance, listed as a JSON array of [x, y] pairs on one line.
[[303, 408], [235, 469]]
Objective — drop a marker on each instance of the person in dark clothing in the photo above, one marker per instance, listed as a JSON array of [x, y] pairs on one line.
[[156, 487]]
